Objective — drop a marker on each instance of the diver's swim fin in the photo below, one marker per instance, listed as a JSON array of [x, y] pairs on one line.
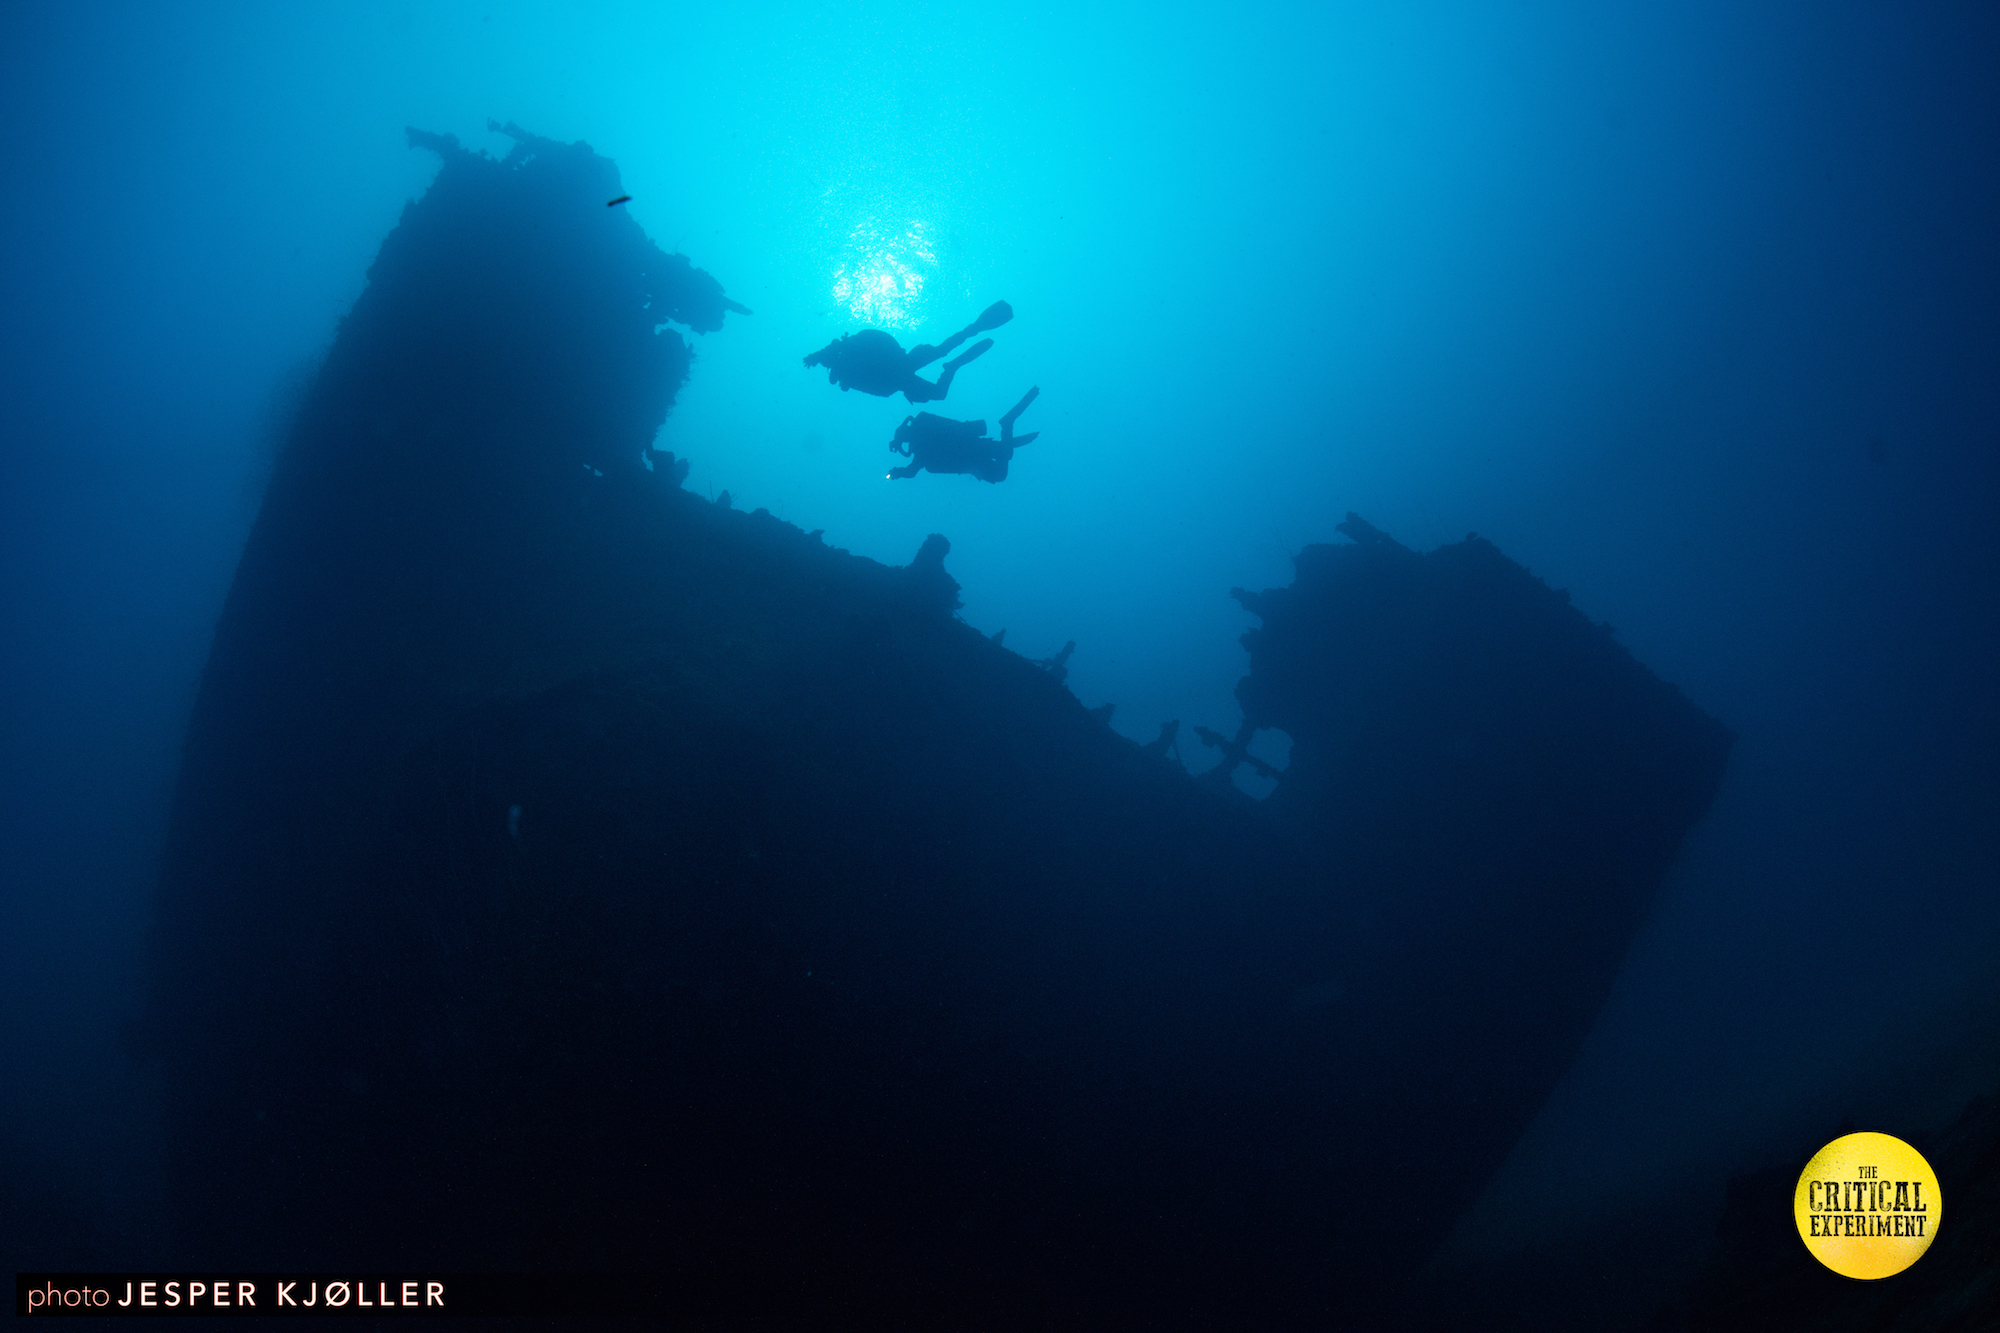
[[980, 348], [992, 317], [1014, 412], [944, 378]]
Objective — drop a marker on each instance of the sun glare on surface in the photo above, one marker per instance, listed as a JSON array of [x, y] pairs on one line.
[[880, 276]]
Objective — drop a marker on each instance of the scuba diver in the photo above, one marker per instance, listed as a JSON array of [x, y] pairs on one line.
[[939, 444], [876, 363]]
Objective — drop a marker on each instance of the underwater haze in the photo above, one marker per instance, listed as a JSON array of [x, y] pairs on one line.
[[1691, 308]]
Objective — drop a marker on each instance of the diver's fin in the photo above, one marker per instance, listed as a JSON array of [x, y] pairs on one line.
[[1014, 413], [992, 317], [1018, 440], [943, 385], [980, 348]]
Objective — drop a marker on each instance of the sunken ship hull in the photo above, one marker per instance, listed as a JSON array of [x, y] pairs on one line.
[[570, 874]]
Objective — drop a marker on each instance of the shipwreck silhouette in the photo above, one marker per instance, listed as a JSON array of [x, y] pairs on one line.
[[568, 873]]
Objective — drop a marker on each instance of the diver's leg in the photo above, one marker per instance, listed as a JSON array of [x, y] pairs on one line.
[[1014, 414], [977, 350], [972, 353]]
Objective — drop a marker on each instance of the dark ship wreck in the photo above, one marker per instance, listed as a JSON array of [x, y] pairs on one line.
[[571, 874]]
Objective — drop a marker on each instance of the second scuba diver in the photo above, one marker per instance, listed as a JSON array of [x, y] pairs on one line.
[[939, 444]]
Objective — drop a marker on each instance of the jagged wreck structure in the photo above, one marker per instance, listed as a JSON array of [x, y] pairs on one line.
[[569, 873]]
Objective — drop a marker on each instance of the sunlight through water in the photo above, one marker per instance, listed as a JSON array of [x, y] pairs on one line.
[[881, 272]]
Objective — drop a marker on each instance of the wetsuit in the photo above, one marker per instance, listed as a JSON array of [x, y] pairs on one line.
[[939, 444], [874, 362]]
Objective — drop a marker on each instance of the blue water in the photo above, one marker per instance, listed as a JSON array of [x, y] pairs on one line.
[[1692, 309]]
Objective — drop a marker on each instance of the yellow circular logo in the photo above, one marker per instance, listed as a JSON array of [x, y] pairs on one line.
[[1867, 1205]]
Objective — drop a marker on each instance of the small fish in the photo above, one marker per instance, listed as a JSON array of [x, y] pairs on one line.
[[621, 199]]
